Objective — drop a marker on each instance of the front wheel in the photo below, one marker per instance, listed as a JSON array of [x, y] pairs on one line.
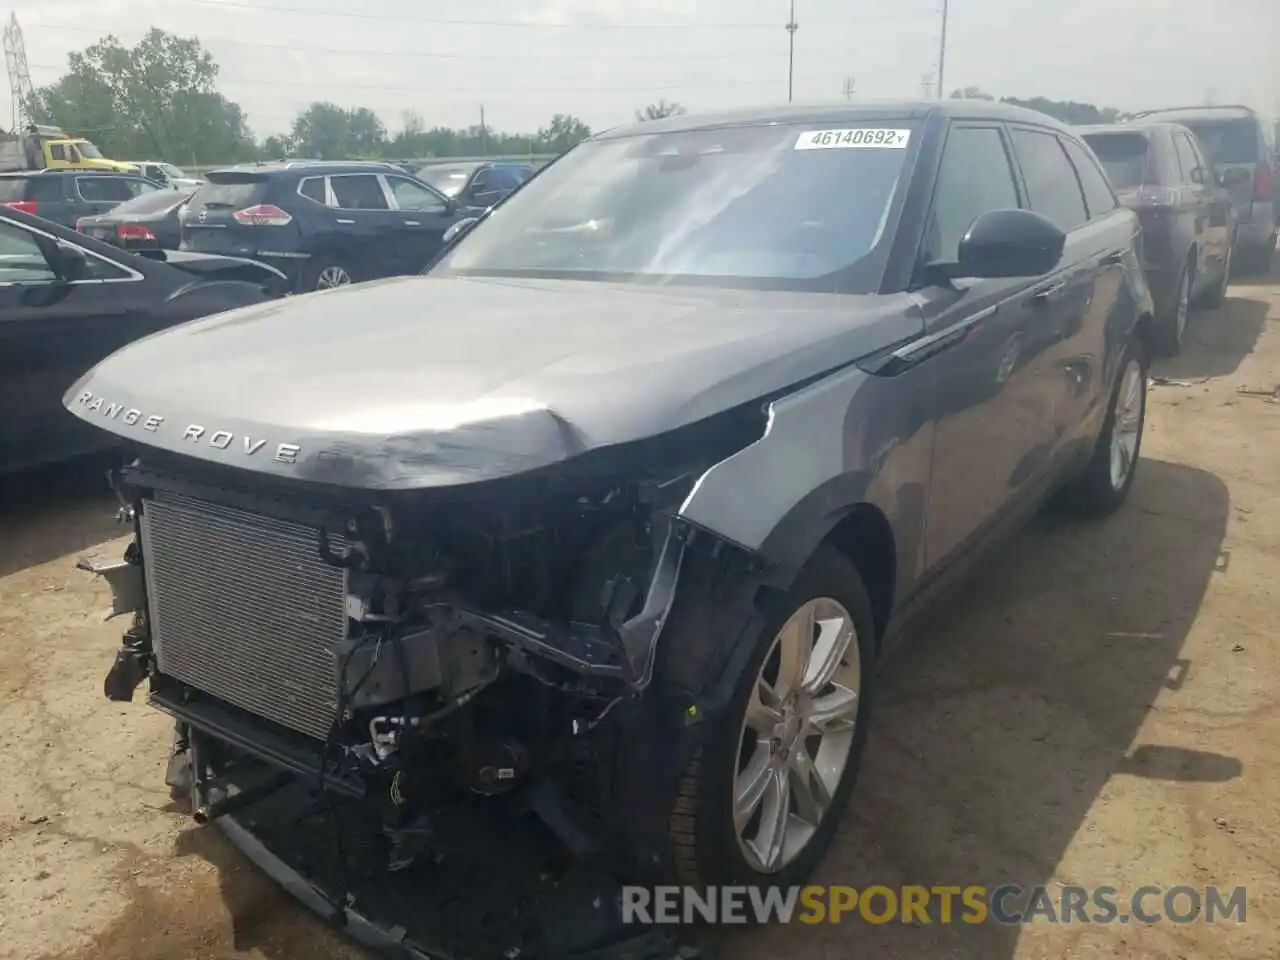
[[760, 804], [1105, 483]]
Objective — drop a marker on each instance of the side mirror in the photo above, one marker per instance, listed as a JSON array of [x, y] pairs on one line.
[[1235, 176], [1009, 243], [70, 263]]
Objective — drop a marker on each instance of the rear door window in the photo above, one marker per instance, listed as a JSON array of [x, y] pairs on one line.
[[99, 189], [358, 191], [46, 189], [1053, 189]]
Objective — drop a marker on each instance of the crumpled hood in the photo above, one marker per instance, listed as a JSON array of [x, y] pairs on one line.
[[423, 381]]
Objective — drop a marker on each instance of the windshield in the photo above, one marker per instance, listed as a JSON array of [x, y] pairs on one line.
[[448, 180], [1123, 156], [1227, 141], [88, 150], [774, 205]]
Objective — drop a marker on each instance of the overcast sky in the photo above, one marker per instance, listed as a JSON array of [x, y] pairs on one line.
[[524, 60]]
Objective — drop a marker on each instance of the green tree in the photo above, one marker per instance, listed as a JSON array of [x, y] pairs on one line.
[[563, 132], [326, 131], [971, 93], [1068, 111], [154, 100], [656, 111]]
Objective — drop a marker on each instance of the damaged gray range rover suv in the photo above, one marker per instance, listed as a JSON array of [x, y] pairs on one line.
[[574, 556]]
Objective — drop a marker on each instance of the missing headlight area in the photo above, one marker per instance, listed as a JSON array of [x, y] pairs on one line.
[[449, 714]]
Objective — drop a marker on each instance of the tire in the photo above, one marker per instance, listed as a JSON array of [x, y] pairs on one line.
[[702, 827], [1217, 294], [322, 272], [1099, 491], [1171, 324]]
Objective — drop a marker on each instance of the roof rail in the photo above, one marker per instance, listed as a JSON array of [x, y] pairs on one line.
[[1198, 106]]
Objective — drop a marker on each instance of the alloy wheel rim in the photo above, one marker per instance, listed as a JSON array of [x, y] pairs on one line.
[[1184, 303], [797, 734], [332, 277], [1126, 424]]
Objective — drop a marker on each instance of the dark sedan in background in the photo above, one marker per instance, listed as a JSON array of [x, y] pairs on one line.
[[148, 222], [1162, 173], [67, 301], [478, 184], [64, 196]]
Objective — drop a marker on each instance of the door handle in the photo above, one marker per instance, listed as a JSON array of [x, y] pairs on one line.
[[347, 222], [1049, 292], [413, 223]]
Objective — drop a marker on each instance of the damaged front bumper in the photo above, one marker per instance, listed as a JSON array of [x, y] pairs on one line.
[[485, 893]]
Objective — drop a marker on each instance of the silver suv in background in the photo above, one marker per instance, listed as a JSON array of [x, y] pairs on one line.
[[1239, 143]]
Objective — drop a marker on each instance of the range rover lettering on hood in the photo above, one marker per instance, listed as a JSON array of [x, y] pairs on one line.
[[192, 433]]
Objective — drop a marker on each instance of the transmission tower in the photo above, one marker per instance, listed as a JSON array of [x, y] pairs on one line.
[[20, 86]]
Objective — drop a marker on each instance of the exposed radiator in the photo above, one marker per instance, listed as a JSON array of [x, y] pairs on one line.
[[243, 608]]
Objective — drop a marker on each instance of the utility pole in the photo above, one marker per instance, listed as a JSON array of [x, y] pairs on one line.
[[792, 27], [849, 86], [942, 51], [484, 134], [926, 85]]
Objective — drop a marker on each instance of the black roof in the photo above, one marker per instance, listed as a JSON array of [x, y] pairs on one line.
[[856, 111]]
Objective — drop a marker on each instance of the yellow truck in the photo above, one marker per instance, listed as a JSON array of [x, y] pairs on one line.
[[42, 147]]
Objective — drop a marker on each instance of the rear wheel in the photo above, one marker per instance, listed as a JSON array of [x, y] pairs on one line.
[[1172, 324], [1105, 483], [761, 803], [325, 273], [1218, 292]]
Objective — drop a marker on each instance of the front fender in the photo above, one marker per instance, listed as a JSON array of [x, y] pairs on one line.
[[850, 439]]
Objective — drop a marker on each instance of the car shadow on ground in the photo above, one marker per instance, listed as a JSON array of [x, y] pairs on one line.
[[49, 512], [998, 724], [1217, 341]]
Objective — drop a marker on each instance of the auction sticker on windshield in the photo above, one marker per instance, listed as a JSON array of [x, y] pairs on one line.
[[864, 138]]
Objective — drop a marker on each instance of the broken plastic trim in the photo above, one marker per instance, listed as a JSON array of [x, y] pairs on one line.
[[591, 652], [124, 580]]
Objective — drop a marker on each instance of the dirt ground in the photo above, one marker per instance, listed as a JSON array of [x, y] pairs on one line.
[[1099, 707]]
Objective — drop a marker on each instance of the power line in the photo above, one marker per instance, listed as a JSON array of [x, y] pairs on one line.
[[640, 89], [310, 12], [667, 57]]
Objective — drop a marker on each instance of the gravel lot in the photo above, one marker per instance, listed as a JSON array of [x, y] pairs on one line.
[[1100, 706]]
